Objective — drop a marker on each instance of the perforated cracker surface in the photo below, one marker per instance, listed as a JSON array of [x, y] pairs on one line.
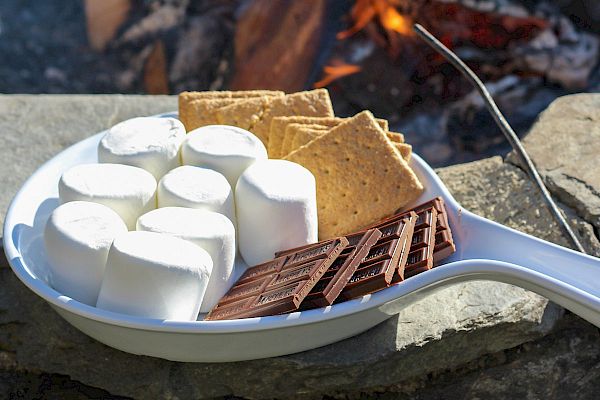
[[360, 176]]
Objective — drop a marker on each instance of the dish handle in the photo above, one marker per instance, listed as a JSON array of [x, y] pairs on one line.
[[479, 238]]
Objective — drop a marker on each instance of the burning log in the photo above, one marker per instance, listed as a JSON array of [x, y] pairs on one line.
[[103, 19], [276, 44], [155, 70]]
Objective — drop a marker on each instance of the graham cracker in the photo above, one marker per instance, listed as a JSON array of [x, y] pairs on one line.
[[405, 150], [304, 134], [292, 130], [191, 113], [312, 103], [256, 114], [278, 125], [186, 97], [395, 137], [200, 112], [244, 113], [360, 176]]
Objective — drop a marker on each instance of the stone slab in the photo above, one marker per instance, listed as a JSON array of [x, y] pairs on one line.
[[563, 365], [442, 332], [565, 146]]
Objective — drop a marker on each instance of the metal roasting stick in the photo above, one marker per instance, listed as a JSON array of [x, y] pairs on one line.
[[509, 133]]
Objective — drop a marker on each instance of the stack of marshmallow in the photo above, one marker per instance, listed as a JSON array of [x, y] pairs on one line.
[[154, 228]]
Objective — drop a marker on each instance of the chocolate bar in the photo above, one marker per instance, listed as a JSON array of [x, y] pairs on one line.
[[280, 285], [420, 257], [353, 239], [418, 261], [444, 242], [282, 253], [315, 275], [377, 269], [409, 222], [444, 245], [339, 273]]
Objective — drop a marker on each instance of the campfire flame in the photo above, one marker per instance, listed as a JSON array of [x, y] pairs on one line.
[[364, 11], [335, 71]]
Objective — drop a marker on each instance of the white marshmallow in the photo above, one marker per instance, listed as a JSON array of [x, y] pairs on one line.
[[129, 191], [150, 143], [196, 187], [155, 275], [227, 149], [212, 231], [77, 237], [276, 207]]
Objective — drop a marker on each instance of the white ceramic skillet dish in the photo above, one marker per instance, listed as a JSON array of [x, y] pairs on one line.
[[485, 251]]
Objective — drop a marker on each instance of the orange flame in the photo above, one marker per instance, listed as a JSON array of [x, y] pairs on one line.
[[364, 11], [336, 71]]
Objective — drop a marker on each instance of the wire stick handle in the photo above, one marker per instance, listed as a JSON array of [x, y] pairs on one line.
[[506, 129]]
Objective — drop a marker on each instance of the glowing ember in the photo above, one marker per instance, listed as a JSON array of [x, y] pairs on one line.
[[336, 71]]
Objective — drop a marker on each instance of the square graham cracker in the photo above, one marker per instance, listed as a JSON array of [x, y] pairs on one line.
[[360, 176], [405, 150], [312, 103], [305, 132], [186, 97], [196, 108], [200, 112], [298, 135], [395, 137], [304, 135], [278, 125], [244, 114], [255, 115]]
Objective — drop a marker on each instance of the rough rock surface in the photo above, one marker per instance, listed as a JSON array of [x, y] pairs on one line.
[[563, 365], [565, 145], [502, 192], [443, 341]]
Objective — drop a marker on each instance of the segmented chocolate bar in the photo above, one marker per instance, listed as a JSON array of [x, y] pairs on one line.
[[444, 245], [280, 285], [409, 222], [376, 270], [398, 247], [353, 240], [263, 269], [444, 242], [282, 253], [368, 279], [339, 273], [420, 257]]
